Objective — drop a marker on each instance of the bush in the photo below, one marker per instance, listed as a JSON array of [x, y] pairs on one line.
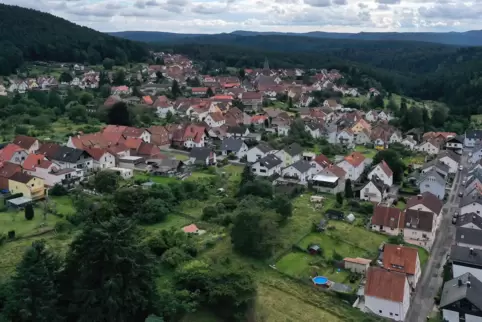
[[11, 234], [298, 248], [29, 213], [62, 226], [336, 256], [58, 190], [3, 239]]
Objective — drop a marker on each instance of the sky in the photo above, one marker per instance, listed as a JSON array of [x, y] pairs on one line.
[[216, 16]]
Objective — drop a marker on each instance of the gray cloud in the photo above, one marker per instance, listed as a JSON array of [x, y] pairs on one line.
[[388, 1], [340, 2], [152, 3], [206, 10], [140, 4], [364, 16], [318, 3], [361, 5], [176, 6], [451, 11], [383, 7]]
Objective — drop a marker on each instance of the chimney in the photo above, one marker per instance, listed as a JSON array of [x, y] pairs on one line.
[[468, 284], [419, 197], [472, 251], [398, 250], [459, 282]]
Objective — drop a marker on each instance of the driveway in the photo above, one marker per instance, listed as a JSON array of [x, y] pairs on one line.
[[423, 299]]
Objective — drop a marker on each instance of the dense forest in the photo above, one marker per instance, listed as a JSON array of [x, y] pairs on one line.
[[27, 35]]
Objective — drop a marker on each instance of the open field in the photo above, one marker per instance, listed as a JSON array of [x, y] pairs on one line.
[[178, 156], [416, 159], [156, 179], [356, 235]]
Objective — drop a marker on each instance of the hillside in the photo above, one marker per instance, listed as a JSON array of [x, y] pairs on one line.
[[27, 35], [468, 38]]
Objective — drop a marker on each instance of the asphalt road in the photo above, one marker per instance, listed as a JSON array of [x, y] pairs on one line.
[[431, 280]]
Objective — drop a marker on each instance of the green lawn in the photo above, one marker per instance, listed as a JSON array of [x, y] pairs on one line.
[[357, 235], [367, 152], [172, 221], [156, 179], [178, 156], [401, 205], [330, 244], [416, 159], [15, 220], [422, 254], [63, 204]]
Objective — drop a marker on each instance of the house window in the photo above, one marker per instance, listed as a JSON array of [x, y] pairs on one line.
[[391, 314], [262, 170], [396, 314], [379, 311]]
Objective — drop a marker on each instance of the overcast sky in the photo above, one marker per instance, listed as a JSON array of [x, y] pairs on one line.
[[214, 16]]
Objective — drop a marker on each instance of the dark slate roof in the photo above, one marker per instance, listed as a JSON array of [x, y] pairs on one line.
[[302, 166], [70, 155], [293, 149], [456, 139], [474, 134], [432, 174], [463, 255], [264, 147], [468, 199], [449, 153], [236, 129], [418, 220], [453, 293], [21, 177], [270, 161], [442, 167], [200, 153], [468, 236], [231, 144], [470, 218], [379, 184]]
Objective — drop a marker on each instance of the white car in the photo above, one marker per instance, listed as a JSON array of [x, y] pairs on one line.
[[461, 168]]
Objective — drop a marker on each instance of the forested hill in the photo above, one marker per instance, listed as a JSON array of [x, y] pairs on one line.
[[468, 38], [27, 34]]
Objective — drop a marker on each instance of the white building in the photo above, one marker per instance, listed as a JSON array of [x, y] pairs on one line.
[[403, 259], [375, 190], [472, 138], [302, 170], [383, 171], [259, 151], [387, 293], [267, 166], [353, 164]]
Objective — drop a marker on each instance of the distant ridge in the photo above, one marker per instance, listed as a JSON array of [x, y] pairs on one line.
[[468, 38]]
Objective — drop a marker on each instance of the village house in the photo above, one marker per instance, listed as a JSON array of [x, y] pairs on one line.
[[215, 119], [7, 170], [469, 220], [267, 166], [387, 220], [437, 166], [466, 260], [234, 146], [28, 143], [189, 136], [472, 138], [461, 299], [38, 166], [71, 158], [420, 227], [13, 153], [237, 131], [409, 142], [403, 259], [430, 147], [387, 293], [259, 151], [163, 107], [455, 144], [332, 103], [102, 159], [314, 129], [451, 159], [432, 182], [252, 100], [468, 237], [371, 116], [330, 180], [290, 154], [362, 137], [382, 171], [346, 137], [301, 170], [353, 164], [199, 91], [31, 187], [375, 190], [159, 136], [426, 202], [202, 156]]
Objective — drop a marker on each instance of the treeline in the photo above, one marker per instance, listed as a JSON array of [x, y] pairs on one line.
[[30, 35]]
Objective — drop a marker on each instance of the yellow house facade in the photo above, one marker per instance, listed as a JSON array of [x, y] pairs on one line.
[[360, 126], [31, 187]]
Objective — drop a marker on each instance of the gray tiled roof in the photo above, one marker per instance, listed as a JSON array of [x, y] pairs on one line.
[[452, 292]]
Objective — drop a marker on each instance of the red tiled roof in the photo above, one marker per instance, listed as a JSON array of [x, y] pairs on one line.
[[217, 117], [400, 258], [149, 149], [7, 152], [388, 216], [114, 129], [323, 160], [49, 149], [199, 90], [427, 199], [195, 132], [336, 170], [355, 159], [95, 153], [24, 141], [147, 100], [222, 97], [133, 143], [257, 118], [8, 169], [32, 161], [386, 168], [190, 229], [385, 284]]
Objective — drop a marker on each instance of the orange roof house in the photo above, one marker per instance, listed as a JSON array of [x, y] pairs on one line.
[[191, 229], [355, 159], [401, 259], [386, 285], [32, 161], [7, 152]]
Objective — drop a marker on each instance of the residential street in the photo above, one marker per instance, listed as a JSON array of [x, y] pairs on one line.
[[431, 280]]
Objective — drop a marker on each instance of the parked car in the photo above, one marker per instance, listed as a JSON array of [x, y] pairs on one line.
[[461, 168], [461, 193]]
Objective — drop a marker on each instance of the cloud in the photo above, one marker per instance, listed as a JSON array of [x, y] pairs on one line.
[[340, 2], [452, 11], [140, 4], [318, 3], [383, 7], [207, 9], [388, 1], [361, 5]]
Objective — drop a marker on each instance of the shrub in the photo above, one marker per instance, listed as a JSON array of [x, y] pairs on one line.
[[336, 256], [11, 234], [62, 226], [29, 213], [58, 190]]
